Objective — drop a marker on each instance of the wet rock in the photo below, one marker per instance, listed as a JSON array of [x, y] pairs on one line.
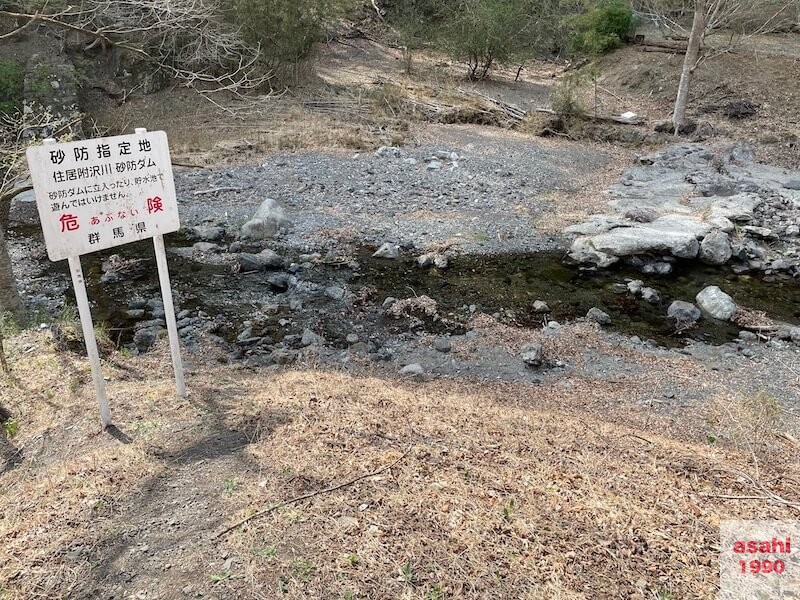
[[657, 268], [635, 286], [387, 250], [651, 295], [267, 222], [442, 344], [310, 338], [683, 312], [532, 354], [598, 316], [266, 259], [540, 306], [716, 303], [715, 249]]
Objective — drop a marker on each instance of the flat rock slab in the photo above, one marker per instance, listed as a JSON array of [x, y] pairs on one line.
[[630, 241]]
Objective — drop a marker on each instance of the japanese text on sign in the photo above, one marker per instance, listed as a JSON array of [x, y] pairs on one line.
[[101, 193]]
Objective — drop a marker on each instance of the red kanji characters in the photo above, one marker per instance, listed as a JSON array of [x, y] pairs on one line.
[[155, 205], [69, 222]]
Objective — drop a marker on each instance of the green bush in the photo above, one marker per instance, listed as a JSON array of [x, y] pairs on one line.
[[12, 79], [605, 26]]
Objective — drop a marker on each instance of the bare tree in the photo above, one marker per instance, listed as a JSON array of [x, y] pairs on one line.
[[743, 19]]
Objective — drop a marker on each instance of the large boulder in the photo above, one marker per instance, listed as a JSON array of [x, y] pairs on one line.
[[715, 249], [630, 241], [716, 303], [267, 222], [583, 251]]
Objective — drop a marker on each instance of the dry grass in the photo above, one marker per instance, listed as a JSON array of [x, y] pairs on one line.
[[506, 490]]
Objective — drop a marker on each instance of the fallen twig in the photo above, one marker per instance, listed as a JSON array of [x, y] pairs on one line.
[[327, 490]]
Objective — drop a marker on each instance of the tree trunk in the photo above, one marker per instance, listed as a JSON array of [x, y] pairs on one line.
[[9, 297], [690, 63]]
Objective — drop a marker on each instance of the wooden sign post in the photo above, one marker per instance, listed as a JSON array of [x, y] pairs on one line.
[[101, 193]]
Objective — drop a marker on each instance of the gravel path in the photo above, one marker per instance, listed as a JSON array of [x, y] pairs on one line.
[[484, 189]]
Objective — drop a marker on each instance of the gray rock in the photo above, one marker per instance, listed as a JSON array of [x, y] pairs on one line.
[[598, 316], [724, 224], [683, 312], [351, 338], [144, 339], [334, 292], [792, 230], [651, 295], [412, 370], [310, 338], [630, 241], [387, 250], [23, 209], [389, 151], [635, 286], [279, 281], [282, 356], [792, 184], [748, 336], [206, 247], [759, 232], [425, 260], [583, 251], [532, 354], [715, 249], [207, 233], [442, 344], [716, 303], [388, 302], [440, 261], [794, 334], [266, 259], [540, 306], [434, 165], [596, 224], [267, 222], [736, 208]]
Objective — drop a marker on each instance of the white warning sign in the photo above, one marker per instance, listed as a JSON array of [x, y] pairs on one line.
[[105, 192]]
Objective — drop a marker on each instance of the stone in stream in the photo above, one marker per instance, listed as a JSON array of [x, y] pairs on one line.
[[715, 249], [683, 312], [630, 241], [387, 250], [716, 303], [651, 295], [267, 222], [583, 251]]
